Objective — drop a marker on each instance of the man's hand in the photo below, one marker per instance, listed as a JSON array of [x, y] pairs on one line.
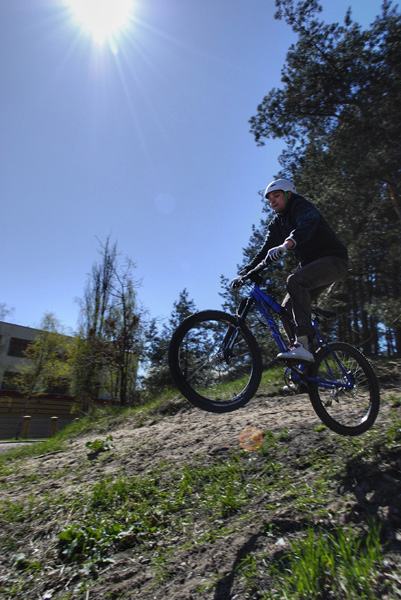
[[237, 283], [276, 253]]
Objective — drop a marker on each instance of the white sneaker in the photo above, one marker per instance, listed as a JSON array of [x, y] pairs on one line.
[[295, 388], [298, 353], [291, 388]]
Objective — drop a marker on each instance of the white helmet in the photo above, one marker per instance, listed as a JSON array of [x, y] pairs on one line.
[[280, 184]]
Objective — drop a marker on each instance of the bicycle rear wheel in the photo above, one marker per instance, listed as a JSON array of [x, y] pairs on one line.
[[347, 399], [215, 361]]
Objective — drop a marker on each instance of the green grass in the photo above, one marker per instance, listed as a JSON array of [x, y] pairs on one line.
[[395, 400], [129, 512], [22, 451], [322, 564], [271, 382], [326, 564], [180, 507]]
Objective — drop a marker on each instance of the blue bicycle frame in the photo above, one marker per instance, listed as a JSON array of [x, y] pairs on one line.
[[265, 304]]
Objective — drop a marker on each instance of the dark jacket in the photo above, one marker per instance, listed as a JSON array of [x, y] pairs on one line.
[[303, 222]]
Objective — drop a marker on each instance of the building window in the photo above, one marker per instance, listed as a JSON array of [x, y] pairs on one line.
[[18, 347]]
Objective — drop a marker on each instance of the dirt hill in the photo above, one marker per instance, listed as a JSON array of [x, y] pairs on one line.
[[172, 508]]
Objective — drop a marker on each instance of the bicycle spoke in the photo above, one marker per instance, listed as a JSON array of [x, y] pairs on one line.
[[344, 390], [214, 361]]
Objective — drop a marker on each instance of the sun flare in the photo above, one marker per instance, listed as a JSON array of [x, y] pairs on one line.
[[103, 19]]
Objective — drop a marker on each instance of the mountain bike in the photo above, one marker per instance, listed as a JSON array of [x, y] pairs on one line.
[[216, 363]]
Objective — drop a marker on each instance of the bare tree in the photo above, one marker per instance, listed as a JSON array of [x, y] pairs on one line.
[[109, 343]]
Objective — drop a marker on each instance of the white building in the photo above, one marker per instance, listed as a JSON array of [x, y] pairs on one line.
[[43, 409], [44, 413], [14, 341]]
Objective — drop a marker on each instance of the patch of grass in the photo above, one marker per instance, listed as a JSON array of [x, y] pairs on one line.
[[273, 442], [191, 508], [22, 563], [115, 515], [320, 428], [98, 446], [128, 512], [395, 401], [17, 453], [15, 512], [335, 564], [272, 379], [217, 488], [248, 569], [271, 382], [308, 498]]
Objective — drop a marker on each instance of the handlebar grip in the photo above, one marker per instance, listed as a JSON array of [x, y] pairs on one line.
[[253, 275]]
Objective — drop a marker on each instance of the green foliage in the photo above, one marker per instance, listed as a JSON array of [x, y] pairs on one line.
[[188, 508], [98, 446], [16, 512], [47, 369], [330, 563], [23, 564], [157, 379], [118, 514], [109, 345], [127, 512], [338, 112]]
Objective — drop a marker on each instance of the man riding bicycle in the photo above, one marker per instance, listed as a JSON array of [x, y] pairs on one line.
[[298, 226]]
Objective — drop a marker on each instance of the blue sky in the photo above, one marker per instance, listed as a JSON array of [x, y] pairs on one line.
[[147, 142]]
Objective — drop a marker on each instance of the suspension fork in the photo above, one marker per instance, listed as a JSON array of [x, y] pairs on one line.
[[232, 332], [244, 308]]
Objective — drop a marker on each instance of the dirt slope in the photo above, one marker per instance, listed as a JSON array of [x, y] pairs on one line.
[[195, 566]]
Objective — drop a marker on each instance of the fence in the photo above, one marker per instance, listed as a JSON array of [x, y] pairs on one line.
[[39, 418]]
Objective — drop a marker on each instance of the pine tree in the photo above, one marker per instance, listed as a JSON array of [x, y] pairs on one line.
[[157, 377], [338, 111]]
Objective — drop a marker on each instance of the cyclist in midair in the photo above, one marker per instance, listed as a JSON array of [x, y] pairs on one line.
[[299, 227]]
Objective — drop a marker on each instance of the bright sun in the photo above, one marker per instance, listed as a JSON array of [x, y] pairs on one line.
[[104, 19]]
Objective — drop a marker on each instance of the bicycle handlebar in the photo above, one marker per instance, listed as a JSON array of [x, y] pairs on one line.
[[253, 275]]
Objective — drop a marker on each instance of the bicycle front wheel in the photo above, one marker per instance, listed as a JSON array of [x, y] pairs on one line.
[[215, 361], [345, 392]]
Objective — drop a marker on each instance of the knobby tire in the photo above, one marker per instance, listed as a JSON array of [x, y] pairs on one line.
[[349, 411], [200, 365]]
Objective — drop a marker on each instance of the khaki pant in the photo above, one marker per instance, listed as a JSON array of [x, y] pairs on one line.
[[305, 285]]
